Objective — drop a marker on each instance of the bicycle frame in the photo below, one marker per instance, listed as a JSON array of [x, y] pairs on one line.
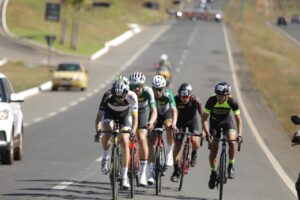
[[133, 166], [160, 154]]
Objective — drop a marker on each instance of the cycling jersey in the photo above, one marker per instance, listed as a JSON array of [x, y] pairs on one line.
[[220, 117], [114, 110], [146, 100], [165, 102], [187, 114]]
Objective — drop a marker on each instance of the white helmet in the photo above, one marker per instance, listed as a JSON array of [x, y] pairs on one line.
[[159, 81], [164, 57], [137, 78]]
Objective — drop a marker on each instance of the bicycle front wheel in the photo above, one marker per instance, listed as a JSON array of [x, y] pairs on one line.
[[114, 173], [183, 166], [158, 170], [222, 174], [132, 172]]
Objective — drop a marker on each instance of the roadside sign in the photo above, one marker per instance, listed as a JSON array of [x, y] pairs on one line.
[[52, 12], [50, 39]]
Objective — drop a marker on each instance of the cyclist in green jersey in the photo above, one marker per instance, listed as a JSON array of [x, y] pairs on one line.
[[147, 114], [167, 117], [219, 108]]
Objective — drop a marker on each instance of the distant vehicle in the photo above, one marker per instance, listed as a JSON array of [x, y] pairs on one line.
[[281, 21], [11, 123], [295, 19], [69, 75]]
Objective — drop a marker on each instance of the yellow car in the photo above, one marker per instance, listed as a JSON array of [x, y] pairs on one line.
[[69, 75]]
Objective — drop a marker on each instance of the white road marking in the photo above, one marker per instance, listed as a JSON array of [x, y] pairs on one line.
[[62, 185], [52, 114], [38, 119], [74, 103], [192, 36], [62, 109], [274, 162]]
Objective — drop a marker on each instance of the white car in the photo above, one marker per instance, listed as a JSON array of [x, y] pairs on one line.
[[11, 123]]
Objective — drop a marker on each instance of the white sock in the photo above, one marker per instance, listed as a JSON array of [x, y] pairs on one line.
[[170, 150], [124, 173], [143, 166], [105, 155]]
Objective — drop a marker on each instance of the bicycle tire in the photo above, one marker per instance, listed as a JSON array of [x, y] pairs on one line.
[[183, 162], [222, 172], [132, 172], [114, 172], [158, 171]]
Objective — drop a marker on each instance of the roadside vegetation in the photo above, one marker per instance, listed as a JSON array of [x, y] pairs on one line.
[[24, 76], [95, 25], [273, 60]]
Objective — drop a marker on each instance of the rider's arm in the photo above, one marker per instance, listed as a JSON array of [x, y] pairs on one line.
[[132, 98], [198, 105], [152, 103], [174, 115], [238, 121], [204, 123], [98, 124], [134, 122], [236, 112]]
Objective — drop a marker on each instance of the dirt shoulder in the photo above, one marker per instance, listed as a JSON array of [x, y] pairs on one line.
[[264, 118]]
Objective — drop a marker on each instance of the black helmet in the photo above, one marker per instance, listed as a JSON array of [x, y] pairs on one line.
[[120, 88], [185, 89], [222, 88], [296, 138]]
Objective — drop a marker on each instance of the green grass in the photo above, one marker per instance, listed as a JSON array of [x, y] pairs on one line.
[[23, 76], [96, 25], [273, 59]]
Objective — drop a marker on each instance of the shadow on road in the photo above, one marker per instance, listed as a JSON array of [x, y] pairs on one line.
[[87, 190]]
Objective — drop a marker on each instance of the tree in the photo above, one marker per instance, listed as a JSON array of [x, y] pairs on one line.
[[77, 6], [65, 6]]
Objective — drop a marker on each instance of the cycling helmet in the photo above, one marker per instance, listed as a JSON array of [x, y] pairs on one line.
[[164, 57], [119, 89], [296, 137], [185, 89], [159, 81], [222, 88], [137, 78], [124, 78]]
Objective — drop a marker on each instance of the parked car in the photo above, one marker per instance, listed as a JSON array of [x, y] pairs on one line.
[[281, 21], [11, 123], [70, 75], [295, 19]]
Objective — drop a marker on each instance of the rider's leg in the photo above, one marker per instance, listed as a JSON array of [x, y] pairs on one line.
[[143, 154], [176, 156], [231, 152], [105, 144], [151, 158], [124, 139], [170, 141], [212, 159]]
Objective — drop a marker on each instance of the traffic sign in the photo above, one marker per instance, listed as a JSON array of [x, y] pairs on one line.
[[52, 12]]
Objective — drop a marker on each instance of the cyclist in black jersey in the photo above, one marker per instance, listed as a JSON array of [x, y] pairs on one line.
[[120, 104], [188, 106], [218, 108]]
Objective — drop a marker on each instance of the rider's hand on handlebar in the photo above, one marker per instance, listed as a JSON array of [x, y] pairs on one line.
[[174, 128], [132, 136], [98, 136], [150, 126], [239, 139]]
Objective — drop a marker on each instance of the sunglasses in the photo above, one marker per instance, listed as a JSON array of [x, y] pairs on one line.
[[158, 89], [133, 87], [185, 97]]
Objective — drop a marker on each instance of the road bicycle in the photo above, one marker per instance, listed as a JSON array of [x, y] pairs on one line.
[[160, 159], [221, 171], [133, 166], [115, 161], [296, 120], [184, 163]]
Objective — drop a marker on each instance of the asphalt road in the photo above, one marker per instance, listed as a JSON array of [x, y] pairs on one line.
[[59, 126]]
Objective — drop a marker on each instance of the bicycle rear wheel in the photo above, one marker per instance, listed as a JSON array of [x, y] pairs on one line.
[[158, 170], [132, 172], [221, 175], [183, 166]]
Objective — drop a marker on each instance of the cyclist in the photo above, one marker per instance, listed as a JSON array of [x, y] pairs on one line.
[[167, 116], [218, 107], [147, 115], [296, 140], [164, 67], [121, 104], [187, 105], [100, 113]]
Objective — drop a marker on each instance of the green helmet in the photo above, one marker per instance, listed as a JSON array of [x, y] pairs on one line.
[[124, 78]]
